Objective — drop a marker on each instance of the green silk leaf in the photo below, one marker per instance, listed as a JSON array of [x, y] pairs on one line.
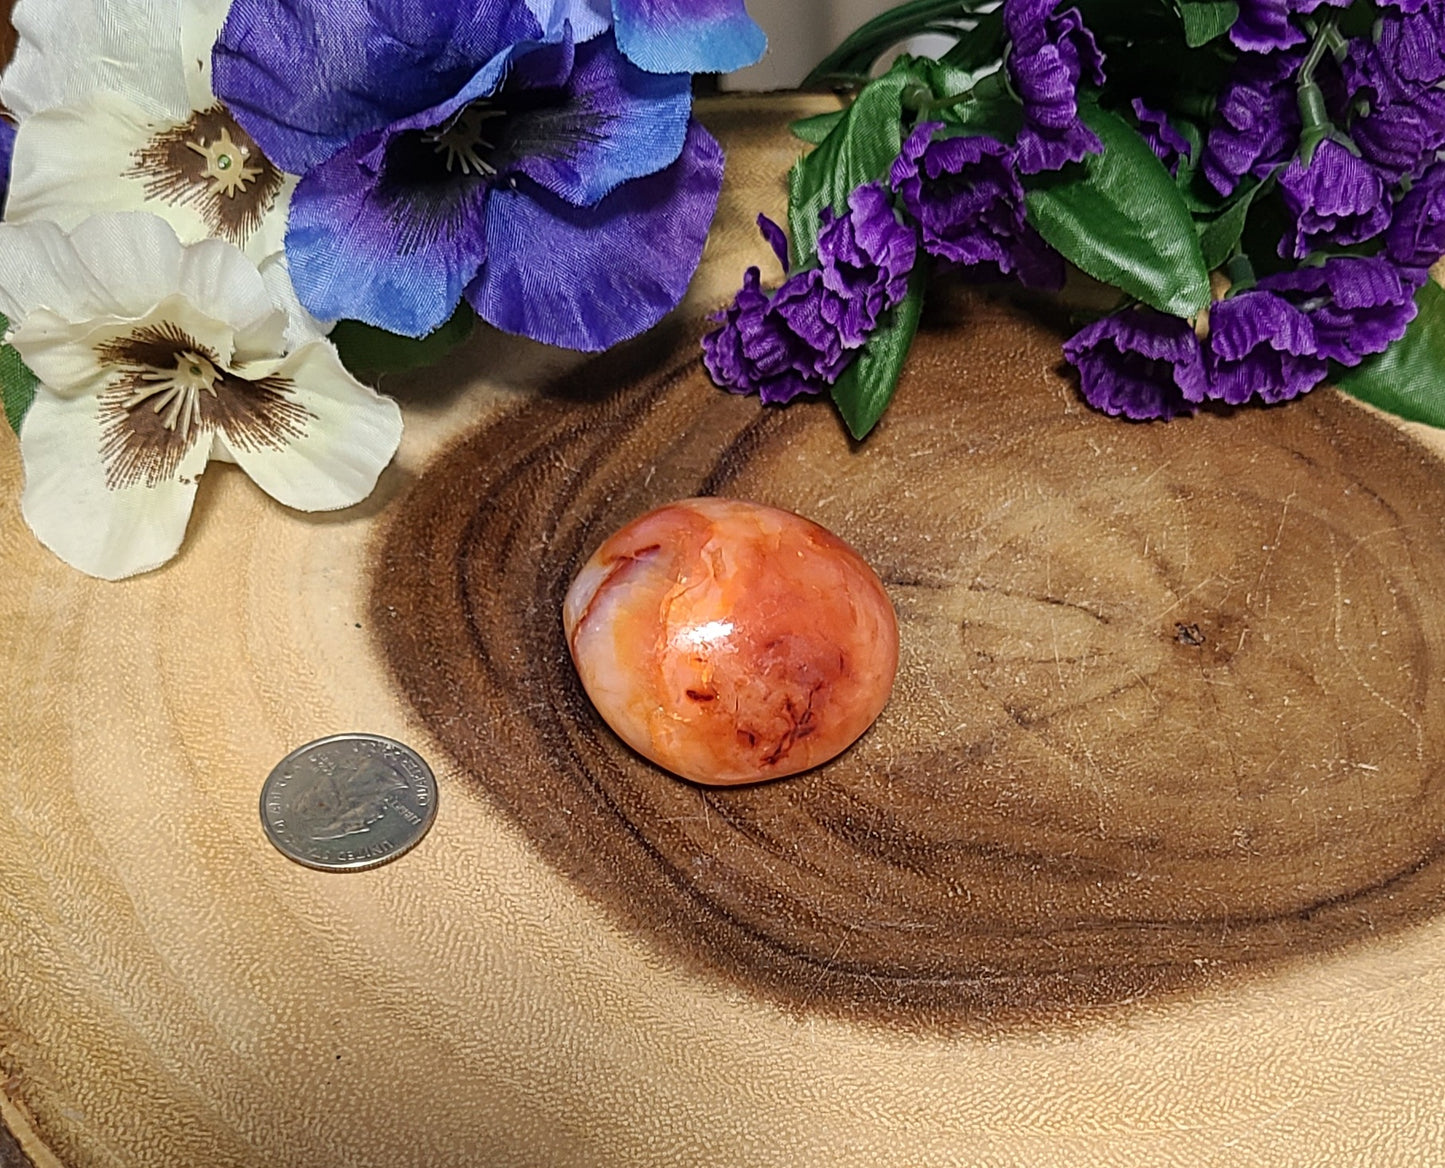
[[17, 383], [860, 149], [979, 46], [866, 387], [1206, 19], [1189, 163], [944, 80], [814, 129], [1218, 239], [1119, 217], [1408, 378], [369, 352]]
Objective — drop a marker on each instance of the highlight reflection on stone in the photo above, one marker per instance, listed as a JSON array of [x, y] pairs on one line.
[[731, 642]]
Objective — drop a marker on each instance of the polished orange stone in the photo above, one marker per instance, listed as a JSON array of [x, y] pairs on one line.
[[730, 642]]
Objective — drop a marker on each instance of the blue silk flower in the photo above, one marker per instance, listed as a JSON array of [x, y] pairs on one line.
[[503, 151]]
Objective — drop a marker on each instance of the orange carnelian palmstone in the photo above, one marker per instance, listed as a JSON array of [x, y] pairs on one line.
[[731, 642]]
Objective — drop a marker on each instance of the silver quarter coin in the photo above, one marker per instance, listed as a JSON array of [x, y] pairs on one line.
[[348, 802]]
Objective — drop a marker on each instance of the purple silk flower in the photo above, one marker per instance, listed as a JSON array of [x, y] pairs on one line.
[[1264, 26], [1358, 305], [1139, 363], [1258, 121], [1400, 138], [965, 195], [1050, 52], [1396, 77], [7, 148], [453, 149], [755, 351], [1168, 144], [1406, 56], [664, 36], [800, 339], [1261, 345], [865, 257], [1337, 200], [1415, 238]]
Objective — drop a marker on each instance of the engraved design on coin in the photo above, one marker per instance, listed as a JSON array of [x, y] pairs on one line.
[[348, 802]]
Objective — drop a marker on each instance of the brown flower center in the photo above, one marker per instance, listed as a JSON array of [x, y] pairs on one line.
[[177, 391], [210, 164], [226, 164], [168, 392]]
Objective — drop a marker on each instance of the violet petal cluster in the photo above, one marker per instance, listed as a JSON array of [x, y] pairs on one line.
[[1050, 53], [1395, 77], [1140, 364], [1356, 305], [1261, 345], [1169, 145], [1338, 200], [1269, 344], [458, 150], [1406, 56], [754, 350], [1264, 26], [1415, 238], [1400, 138], [800, 338], [1259, 121], [865, 258], [964, 193]]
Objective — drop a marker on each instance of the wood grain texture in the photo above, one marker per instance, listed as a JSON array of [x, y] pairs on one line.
[[1169, 704], [11, 1154], [174, 992]]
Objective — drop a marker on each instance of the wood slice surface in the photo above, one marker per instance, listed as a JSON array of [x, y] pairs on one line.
[[1189, 924], [1169, 701]]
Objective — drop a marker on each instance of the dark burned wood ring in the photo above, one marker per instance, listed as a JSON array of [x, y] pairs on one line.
[[1169, 708]]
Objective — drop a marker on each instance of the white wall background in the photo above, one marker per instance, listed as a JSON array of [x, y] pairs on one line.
[[799, 32]]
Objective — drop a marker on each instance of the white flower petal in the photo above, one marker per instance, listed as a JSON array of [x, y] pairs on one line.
[[102, 530], [133, 257], [201, 22], [350, 437], [62, 354], [110, 265], [262, 340], [71, 162], [70, 48], [301, 326], [42, 270], [225, 284]]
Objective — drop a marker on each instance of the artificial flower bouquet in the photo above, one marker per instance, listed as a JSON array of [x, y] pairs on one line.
[[219, 214], [1258, 181], [225, 219]]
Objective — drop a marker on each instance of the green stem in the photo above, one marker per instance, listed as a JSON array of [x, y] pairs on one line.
[[1320, 43], [1313, 113], [964, 98], [917, 97]]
